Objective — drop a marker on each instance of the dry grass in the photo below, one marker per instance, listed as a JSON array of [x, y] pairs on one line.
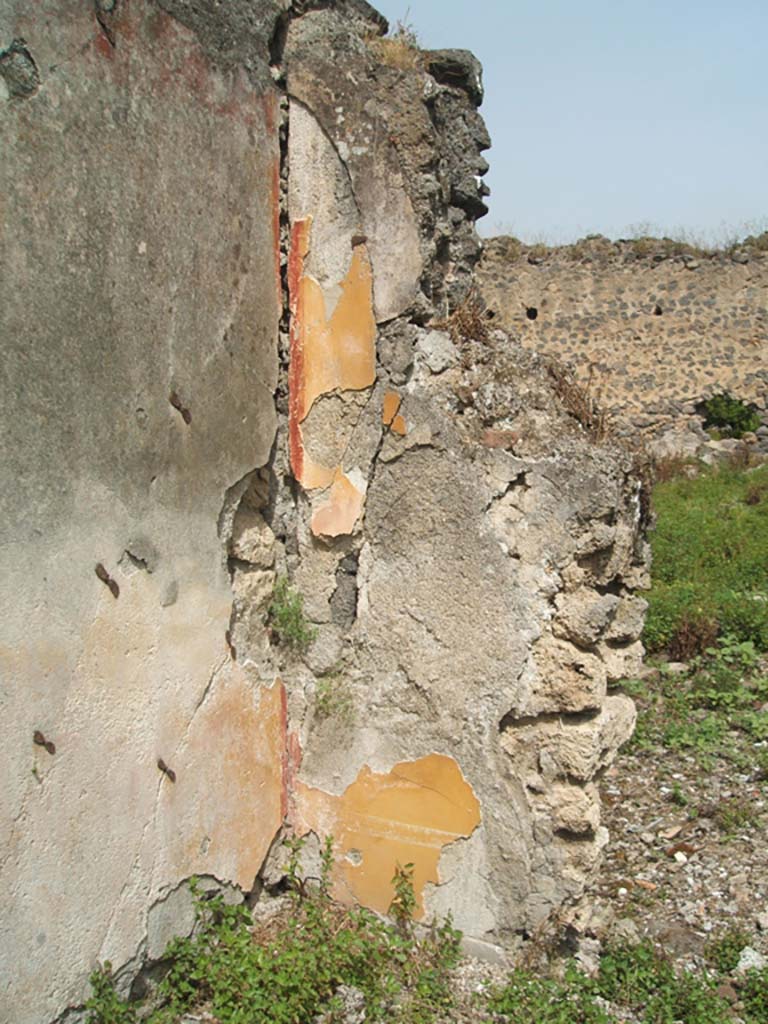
[[398, 50], [581, 400], [669, 467], [468, 322], [694, 634]]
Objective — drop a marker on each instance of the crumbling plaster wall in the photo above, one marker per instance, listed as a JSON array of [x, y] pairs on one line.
[[232, 230], [139, 195], [467, 555]]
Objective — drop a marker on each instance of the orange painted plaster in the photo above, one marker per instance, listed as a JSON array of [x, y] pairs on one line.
[[391, 405], [399, 426], [236, 750], [327, 353], [339, 516], [404, 816]]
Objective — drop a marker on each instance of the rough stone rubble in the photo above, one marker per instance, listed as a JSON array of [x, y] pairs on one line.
[[658, 327], [466, 553]]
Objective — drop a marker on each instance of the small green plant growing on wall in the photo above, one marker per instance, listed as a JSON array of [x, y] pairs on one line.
[[403, 905], [333, 698], [105, 1005], [729, 416], [287, 620]]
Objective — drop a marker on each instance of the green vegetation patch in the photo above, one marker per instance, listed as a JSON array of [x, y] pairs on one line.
[[710, 562], [289, 971], [715, 709], [287, 620], [633, 982], [729, 416]]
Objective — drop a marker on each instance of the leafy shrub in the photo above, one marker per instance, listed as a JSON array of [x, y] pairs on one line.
[[730, 416], [286, 617]]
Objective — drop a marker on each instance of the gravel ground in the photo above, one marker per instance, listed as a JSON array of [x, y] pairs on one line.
[[688, 856]]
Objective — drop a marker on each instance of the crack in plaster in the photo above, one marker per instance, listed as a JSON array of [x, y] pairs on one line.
[[204, 696], [427, 628]]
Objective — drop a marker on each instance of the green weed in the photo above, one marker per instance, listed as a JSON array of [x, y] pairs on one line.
[[105, 1006], [754, 996], [642, 979], [722, 951], [286, 617], [636, 982], [289, 971], [735, 815], [529, 999], [715, 709], [333, 698]]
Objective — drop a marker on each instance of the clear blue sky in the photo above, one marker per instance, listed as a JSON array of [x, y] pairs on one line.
[[607, 115]]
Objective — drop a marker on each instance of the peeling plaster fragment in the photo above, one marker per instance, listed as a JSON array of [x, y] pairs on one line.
[[420, 437], [407, 815], [340, 515], [391, 405], [327, 353], [399, 426]]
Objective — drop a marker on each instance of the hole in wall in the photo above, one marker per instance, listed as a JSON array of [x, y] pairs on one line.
[[657, 310], [531, 312]]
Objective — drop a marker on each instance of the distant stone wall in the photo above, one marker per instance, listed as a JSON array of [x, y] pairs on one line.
[[664, 331]]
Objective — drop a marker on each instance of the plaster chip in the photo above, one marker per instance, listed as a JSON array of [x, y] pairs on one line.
[[391, 405], [399, 426], [340, 515]]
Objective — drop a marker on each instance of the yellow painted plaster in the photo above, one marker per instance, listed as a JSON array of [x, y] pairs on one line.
[[336, 353], [404, 816]]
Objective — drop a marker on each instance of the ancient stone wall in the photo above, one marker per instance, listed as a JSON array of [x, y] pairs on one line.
[[232, 234], [664, 328]]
